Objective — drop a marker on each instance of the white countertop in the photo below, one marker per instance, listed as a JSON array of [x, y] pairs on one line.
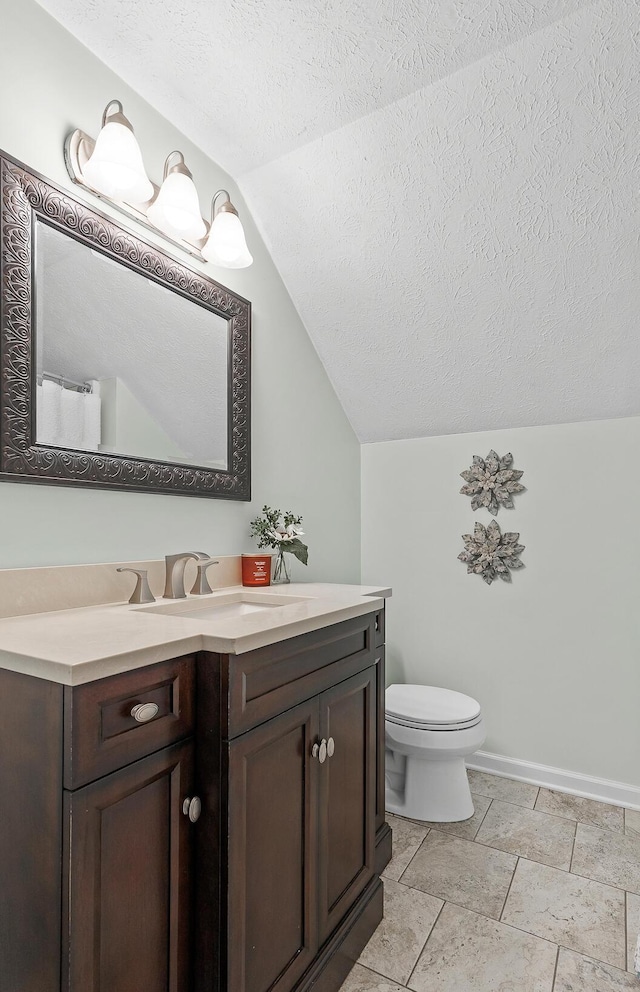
[[81, 645]]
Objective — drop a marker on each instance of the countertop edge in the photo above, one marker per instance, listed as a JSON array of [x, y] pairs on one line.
[[94, 669]]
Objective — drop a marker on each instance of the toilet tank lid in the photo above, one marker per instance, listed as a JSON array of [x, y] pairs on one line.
[[430, 704]]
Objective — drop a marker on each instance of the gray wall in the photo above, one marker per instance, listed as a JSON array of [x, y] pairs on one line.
[[305, 455], [552, 657]]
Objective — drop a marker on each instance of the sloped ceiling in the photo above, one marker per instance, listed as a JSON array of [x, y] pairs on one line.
[[449, 189]]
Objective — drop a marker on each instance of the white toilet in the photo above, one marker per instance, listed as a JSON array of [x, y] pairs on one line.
[[428, 734]]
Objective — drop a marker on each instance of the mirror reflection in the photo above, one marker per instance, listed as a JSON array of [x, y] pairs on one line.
[[125, 365]]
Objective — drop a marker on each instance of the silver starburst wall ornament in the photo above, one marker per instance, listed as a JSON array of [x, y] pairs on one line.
[[490, 553], [491, 482]]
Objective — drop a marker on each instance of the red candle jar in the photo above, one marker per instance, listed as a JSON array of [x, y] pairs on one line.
[[256, 570]]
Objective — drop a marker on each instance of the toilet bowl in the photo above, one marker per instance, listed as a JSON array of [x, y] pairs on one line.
[[428, 734]]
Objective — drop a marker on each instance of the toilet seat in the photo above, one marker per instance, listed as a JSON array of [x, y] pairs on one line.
[[426, 707], [415, 725]]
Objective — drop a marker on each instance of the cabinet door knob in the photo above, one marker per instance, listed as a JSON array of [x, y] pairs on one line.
[[321, 750], [331, 746], [192, 808], [143, 712]]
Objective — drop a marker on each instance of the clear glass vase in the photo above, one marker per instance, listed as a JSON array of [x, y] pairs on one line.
[[281, 569]]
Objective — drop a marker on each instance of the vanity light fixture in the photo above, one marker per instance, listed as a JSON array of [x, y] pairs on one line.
[[115, 167], [111, 168], [176, 209], [226, 244]]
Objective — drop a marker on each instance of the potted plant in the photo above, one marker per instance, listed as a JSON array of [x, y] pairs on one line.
[[282, 533]]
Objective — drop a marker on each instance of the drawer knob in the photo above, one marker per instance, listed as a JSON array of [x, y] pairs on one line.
[[331, 746], [192, 808], [143, 712]]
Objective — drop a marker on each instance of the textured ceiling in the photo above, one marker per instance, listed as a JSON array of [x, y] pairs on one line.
[[449, 190]]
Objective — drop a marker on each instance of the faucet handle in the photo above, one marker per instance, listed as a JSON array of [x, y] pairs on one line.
[[201, 586], [142, 593]]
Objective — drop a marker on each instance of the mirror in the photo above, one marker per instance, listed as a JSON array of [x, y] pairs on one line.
[[125, 365], [121, 367]]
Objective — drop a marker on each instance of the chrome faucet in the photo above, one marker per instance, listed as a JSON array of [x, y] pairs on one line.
[[175, 566]]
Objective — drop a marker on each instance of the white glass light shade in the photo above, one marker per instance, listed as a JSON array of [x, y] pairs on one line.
[[115, 167], [226, 244], [176, 211]]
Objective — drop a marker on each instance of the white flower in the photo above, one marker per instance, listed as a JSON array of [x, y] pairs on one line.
[[294, 531], [279, 535]]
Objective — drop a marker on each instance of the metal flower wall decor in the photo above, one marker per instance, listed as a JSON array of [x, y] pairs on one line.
[[490, 553], [491, 482]]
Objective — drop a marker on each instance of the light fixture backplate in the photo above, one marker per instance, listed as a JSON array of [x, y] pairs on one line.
[[78, 148]]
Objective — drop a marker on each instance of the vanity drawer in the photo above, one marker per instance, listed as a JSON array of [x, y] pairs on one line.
[[269, 680], [101, 734]]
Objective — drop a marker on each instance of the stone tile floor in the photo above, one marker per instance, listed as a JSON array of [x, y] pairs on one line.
[[537, 892]]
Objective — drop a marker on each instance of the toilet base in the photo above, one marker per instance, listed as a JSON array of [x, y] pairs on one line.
[[437, 791]]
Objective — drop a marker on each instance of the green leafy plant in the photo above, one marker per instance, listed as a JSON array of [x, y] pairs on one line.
[[283, 536]]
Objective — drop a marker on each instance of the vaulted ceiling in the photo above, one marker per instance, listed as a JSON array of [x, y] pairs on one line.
[[449, 188]]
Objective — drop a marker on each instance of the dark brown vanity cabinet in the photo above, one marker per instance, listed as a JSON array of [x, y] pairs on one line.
[[272, 933], [288, 891], [301, 832], [347, 796], [96, 849], [126, 885], [110, 881], [126, 836]]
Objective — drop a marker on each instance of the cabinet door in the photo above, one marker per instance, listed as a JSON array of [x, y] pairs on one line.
[[347, 795], [127, 845], [272, 843]]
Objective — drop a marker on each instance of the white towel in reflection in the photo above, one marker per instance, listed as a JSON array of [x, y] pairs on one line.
[[72, 417], [92, 433], [49, 413], [66, 418]]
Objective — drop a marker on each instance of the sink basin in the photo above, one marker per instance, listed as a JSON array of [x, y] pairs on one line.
[[224, 607]]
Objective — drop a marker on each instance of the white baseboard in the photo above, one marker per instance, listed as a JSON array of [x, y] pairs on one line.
[[601, 789]]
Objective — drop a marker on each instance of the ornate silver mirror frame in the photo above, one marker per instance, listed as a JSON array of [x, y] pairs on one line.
[[26, 198]]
